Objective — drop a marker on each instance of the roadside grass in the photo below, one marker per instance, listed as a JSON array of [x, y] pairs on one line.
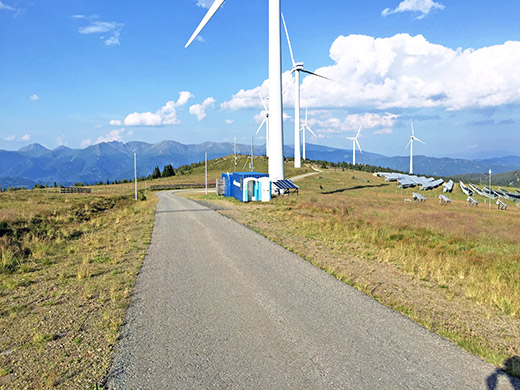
[[68, 266], [454, 269]]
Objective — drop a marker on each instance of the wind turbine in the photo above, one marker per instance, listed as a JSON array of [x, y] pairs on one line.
[[296, 69], [304, 127], [354, 143], [266, 121], [276, 168], [412, 138]]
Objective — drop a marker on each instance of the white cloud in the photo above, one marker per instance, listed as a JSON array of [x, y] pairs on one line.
[[384, 131], [60, 141], [422, 6], [229, 121], [26, 137], [99, 27], [205, 3], [114, 135], [115, 122], [10, 138], [200, 38], [166, 115], [34, 98], [6, 7], [86, 142], [199, 110], [328, 124], [402, 72]]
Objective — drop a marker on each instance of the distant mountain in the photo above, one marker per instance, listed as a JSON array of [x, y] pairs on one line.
[[35, 164]]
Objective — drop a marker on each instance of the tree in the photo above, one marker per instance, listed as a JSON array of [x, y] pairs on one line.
[[156, 173], [168, 171]]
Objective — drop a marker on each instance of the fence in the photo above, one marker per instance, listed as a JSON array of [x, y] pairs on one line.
[[75, 190]]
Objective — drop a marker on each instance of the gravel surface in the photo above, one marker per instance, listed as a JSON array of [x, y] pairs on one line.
[[217, 306]]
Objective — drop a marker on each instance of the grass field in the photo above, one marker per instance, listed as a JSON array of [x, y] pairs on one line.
[[453, 269], [68, 265]]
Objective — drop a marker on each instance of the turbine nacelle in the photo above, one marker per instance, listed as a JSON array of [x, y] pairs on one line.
[[297, 67]]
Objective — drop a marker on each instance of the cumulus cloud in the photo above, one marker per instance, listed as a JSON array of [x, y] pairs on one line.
[[34, 98], [402, 72], [115, 122], [112, 29], [166, 115], [424, 7], [86, 142], [26, 137], [328, 124], [199, 110], [205, 3], [229, 121], [10, 138], [114, 135], [6, 7], [60, 141]]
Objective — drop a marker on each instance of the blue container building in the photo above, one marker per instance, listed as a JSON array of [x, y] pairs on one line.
[[241, 189]]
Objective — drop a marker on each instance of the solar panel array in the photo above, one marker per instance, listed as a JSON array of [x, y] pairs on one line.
[[285, 185], [406, 181]]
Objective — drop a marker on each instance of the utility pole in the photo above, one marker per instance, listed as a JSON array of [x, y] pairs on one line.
[[206, 160], [490, 188], [135, 175], [252, 163], [235, 167]]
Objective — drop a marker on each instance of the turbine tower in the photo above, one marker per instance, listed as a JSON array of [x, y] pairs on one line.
[[296, 69], [276, 168], [354, 143], [266, 121], [412, 138], [304, 127]]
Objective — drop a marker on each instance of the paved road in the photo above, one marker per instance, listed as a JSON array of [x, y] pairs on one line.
[[218, 306]]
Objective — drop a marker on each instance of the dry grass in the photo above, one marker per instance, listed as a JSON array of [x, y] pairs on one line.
[[68, 264], [454, 269]]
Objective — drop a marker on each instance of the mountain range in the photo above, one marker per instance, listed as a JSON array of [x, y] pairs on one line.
[[35, 164]]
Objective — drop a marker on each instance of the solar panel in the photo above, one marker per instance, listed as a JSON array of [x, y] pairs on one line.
[[285, 185]]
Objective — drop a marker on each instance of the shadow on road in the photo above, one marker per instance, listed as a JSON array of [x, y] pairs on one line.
[[511, 367], [355, 188]]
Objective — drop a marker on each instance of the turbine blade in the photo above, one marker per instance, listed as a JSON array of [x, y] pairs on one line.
[[261, 124], [359, 131], [411, 121], [408, 144], [308, 128], [351, 138], [357, 143], [214, 8], [288, 40], [316, 74], [417, 139], [263, 103]]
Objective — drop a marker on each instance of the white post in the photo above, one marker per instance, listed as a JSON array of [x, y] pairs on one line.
[[353, 152], [297, 152], [252, 154], [490, 188], [235, 167], [206, 159], [303, 142], [135, 175], [276, 168]]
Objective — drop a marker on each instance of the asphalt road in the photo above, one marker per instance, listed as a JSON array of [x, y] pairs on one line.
[[217, 306]]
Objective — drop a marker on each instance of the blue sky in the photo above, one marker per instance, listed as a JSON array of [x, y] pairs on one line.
[[80, 72]]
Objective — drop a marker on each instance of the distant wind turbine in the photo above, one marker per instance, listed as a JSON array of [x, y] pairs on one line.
[[266, 121], [276, 167], [354, 143], [296, 69], [304, 127], [412, 138]]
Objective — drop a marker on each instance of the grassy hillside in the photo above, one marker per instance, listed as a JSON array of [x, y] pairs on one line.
[[68, 265], [453, 269]]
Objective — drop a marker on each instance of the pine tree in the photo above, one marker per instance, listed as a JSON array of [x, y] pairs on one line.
[[156, 173], [168, 171]]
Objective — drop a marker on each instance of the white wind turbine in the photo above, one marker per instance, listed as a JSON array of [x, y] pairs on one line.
[[412, 138], [276, 168], [296, 69], [354, 143], [266, 122], [304, 127]]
